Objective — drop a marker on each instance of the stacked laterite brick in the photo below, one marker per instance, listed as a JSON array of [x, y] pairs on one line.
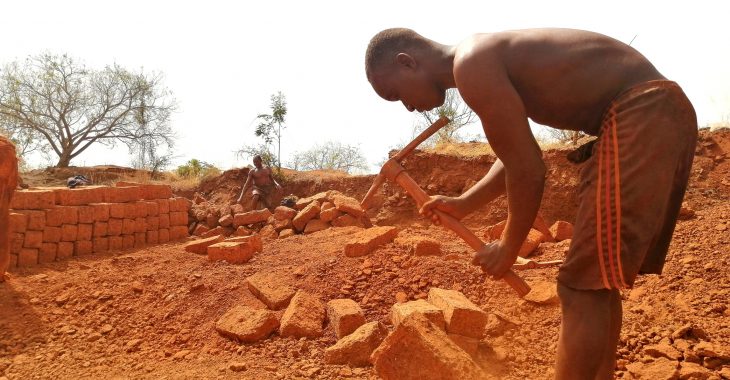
[[51, 224]]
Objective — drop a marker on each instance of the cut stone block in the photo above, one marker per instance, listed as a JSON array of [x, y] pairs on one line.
[[355, 349], [251, 217], [543, 292], [420, 246], [153, 237], [226, 220], [163, 235], [304, 216], [368, 240], [164, 221], [122, 194], [127, 241], [561, 230], [533, 240], [84, 232], [18, 222], [417, 349], [232, 252], [100, 244], [54, 216], [200, 246], [346, 220], [468, 344], [69, 232], [303, 317], [140, 239], [80, 196], [86, 214], [27, 257], [65, 250], [254, 240], [345, 316], [246, 324], [348, 205], [319, 197], [163, 206], [33, 239], [32, 200], [179, 204], [101, 211], [36, 219], [47, 253], [283, 212], [462, 316], [83, 247], [52, 234], [128, 226], [114, 227], [100, 229], [282, 224], [316, 225], [329, 214], [400, 311], [178, 232], [270, 290], [179, 218]]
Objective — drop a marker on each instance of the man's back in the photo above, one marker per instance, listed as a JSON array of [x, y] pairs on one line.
[[565, 78]]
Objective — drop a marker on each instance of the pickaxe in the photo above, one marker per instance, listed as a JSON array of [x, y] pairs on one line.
[[393, 171]]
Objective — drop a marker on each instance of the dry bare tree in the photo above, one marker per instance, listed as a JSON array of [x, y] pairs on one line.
[[67, 107]]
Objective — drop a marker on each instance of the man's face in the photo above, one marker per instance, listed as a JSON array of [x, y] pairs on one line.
[[257, 163], [410, 86]]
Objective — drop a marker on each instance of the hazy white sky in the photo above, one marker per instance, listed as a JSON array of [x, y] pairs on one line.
[[224, 59]]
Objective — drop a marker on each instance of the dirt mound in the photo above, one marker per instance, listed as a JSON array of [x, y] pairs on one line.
[[152, 313], [99, 175]]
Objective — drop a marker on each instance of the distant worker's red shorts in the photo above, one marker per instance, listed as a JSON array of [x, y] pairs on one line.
[[632, 187]]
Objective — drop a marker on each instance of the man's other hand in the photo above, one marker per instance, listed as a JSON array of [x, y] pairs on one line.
[[494, 259], [453, 206]]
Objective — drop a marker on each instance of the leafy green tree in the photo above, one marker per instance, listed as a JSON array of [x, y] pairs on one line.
[[195, 168], [270, 125], [64, 107]]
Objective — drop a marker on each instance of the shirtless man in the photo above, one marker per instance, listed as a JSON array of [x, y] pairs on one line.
[[8, 183], [632, 182], [263, 183]]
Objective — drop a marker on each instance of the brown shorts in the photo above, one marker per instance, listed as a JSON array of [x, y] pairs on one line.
[[263, 191], [631, 188]]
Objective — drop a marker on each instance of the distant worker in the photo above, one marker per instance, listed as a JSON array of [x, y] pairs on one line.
[[8, 183], [632, 182], [263, 182]]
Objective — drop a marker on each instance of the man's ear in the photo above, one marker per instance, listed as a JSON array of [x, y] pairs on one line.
[[406, 60]]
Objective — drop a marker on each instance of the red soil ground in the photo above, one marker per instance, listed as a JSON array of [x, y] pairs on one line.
[[150, 313]]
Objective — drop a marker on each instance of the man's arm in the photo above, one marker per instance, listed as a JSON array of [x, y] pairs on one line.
[[271, 177], [485, 86], [245, 185], [486, 190]]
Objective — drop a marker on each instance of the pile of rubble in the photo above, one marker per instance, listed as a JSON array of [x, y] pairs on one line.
[[436, 338], [318, 212]]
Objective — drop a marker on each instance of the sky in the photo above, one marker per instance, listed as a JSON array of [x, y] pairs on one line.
[[224, 59]]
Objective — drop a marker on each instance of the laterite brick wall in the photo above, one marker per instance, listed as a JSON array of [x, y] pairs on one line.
[[49, 224]]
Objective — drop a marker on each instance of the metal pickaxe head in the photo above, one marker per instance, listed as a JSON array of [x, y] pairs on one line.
[[398, 157]]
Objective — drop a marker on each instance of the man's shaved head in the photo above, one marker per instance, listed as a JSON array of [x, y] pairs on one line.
[[385, 45]]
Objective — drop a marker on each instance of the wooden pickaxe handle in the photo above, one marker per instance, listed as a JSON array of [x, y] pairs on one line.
[[423, 136], [395, 172]]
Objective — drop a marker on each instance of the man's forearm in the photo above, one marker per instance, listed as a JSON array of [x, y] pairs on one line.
[[488, 188], [524, 194]]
